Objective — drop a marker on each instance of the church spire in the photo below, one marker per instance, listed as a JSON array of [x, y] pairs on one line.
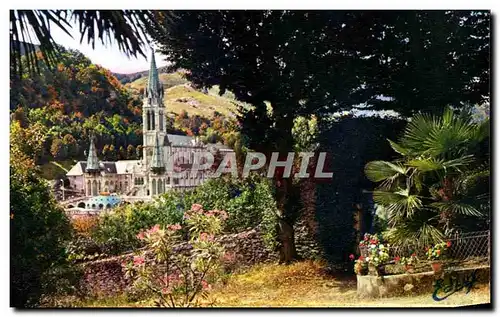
[[92, 159], [157, 164], [154, 88]]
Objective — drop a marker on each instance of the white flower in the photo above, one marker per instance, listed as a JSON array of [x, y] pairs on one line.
[[381, 246], [367, 259], [380, 253], [373, 246]]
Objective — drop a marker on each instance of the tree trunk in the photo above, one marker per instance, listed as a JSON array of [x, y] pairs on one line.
[[286, 236], [284, 188]]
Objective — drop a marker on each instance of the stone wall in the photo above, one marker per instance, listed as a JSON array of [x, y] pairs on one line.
[[106, 277], [410, 284]]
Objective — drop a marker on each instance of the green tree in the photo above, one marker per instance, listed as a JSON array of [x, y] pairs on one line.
[[139, 151], [112, 153], [105, 152], [122, 153], [131, 152], [288, 64], [58, 150], [439, 184], [71, 146], [38, 230]]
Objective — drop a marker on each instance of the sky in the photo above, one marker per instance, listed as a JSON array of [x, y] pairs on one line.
[[108, 56]]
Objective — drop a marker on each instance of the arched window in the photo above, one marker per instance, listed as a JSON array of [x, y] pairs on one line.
[[153, 125], [154, 186], [94, 188], [89, 188], [161, 120], [148, 120], [108, 206], [160, 186], [100, 206]]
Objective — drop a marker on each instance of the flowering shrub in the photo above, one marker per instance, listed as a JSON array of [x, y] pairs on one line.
[[379, 255], [377, 252], [438, 251], [369, 239], [188, 272], [360, 265]]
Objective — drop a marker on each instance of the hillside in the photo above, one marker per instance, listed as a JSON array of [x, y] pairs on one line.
[[180, 96]]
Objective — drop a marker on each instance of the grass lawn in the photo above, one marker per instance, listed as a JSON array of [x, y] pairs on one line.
[[304, 284], [56, 169]]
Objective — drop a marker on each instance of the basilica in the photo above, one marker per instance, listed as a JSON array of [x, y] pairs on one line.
[[146, 177]]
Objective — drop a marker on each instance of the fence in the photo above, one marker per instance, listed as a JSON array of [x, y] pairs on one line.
[[464, 246]]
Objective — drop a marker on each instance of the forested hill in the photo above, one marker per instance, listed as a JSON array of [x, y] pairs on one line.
[[54, 113]]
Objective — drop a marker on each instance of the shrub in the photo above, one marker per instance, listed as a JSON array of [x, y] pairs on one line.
[[187, 275], [84, 225], [38, 231]]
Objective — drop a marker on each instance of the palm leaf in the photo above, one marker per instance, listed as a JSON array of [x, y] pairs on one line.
[[398, 148], [128, 28], [377, 171], [457, 208]]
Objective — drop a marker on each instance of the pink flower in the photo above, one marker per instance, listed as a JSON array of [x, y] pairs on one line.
[[206, 237], [223, 214], [166, 290], [154, 229], [138, 260], [174, 227], [140, 235], [196, 207], [448, 244], [351, 257]]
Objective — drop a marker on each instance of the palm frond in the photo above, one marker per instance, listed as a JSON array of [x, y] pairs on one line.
[[414, 234], [457, 208], [128, 28], [377, 171], [398, 148], [398, 204]]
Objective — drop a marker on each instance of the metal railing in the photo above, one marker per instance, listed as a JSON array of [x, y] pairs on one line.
[[464, 246]]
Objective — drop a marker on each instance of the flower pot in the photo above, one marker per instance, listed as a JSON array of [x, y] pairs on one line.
[[437, 266], [409, 268]]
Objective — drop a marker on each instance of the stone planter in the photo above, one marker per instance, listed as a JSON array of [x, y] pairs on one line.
[[377, 270], [370, 286], [363, 271], [409, 268]]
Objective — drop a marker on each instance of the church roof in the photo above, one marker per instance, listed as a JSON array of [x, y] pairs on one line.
[[119, 167], [180, 140], [92, 159], [154, 89]]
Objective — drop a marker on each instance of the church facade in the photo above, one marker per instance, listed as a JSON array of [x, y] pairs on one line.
[[146, 177]]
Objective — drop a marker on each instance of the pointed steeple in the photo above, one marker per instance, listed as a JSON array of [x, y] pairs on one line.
[[157, 164], [154, 88], [92, 159]]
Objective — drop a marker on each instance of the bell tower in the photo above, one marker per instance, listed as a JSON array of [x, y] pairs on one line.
[[153, 114]]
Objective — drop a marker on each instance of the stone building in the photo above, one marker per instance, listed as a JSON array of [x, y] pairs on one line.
[[146, 177]]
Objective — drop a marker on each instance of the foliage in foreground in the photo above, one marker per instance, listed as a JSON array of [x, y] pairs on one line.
[[440, 184], [38, 231], [188, 274]]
